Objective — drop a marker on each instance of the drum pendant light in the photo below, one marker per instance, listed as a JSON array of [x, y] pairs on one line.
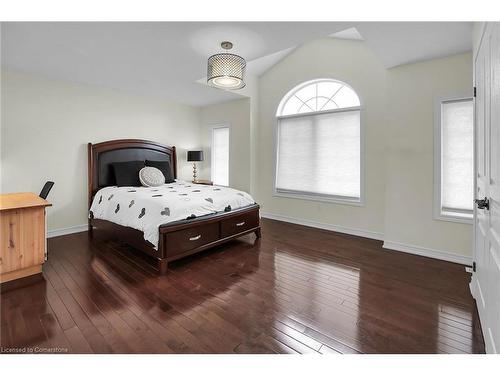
[[226, 70]]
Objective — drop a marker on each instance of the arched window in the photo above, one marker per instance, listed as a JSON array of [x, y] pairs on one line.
[[316, 96], [318, 145]]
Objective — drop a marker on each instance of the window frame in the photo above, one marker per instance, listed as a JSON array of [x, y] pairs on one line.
[[351, 201], [458, 215], [212, 159]]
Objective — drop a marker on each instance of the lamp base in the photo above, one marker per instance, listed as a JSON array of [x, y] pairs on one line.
[[194, 172]]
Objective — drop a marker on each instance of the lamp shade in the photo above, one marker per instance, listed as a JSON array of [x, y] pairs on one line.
[[226, 71], [195, 156]]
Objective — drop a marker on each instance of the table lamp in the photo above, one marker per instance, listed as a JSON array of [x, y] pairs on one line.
[[194, 156]]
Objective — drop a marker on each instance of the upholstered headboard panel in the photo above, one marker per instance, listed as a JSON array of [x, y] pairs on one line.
[[101, 155]]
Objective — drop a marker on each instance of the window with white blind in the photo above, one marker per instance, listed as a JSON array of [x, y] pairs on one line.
[[220, 155], [318, 143], [455, 159]]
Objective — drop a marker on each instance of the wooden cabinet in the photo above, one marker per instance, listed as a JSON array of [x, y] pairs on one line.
[[22, 235]]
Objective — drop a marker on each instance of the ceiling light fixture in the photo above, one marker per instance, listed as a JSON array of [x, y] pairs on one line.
[[226, 70]]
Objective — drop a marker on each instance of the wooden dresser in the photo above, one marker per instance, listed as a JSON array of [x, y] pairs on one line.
[[22, 235]]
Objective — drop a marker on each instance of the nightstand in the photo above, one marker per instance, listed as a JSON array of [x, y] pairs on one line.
[[202, 182]]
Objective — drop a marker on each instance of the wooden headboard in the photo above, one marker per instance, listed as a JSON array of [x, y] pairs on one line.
[[101, 155]]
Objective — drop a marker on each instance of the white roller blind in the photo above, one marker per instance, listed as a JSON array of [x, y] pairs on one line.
[[320, 154], [457, 158], [220, 156]]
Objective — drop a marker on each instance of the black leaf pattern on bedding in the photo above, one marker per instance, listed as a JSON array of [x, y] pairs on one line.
[[228, 208], [100, 199], [117, 208], [183, 194], [209, 200], [196, 191], [111, 196], [91, 214], [192, 216], [157, 195], [165, 212], [216, 189], [131, 203], [143, 212], [131, 191]]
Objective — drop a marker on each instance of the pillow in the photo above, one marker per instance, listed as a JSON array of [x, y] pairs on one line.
[[164, 167], [127, 172], [151, 177]]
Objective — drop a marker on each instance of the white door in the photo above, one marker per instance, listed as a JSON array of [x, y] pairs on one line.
[[485, 285]]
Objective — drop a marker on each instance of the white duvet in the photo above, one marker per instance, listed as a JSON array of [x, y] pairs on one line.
[[146, 208]]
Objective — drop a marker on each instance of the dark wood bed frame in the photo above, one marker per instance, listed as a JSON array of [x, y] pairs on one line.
[[177, 239]]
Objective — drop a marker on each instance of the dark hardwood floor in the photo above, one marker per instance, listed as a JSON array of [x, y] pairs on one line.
[[296, 290]]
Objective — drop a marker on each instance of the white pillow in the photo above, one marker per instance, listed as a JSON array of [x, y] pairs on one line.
[[150, 176]]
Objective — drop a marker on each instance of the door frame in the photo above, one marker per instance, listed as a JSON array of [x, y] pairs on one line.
[[474, 213]]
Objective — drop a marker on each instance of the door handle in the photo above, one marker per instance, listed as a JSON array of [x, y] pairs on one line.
[[240, 224], [483, 203], [195, 238]]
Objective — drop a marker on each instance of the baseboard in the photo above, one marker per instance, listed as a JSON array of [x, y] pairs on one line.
[[391, 245], [331, 227], [65, 231], [426, 252]]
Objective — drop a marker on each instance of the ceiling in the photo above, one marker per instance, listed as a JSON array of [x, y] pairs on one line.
[[398, 43], [166, 59]]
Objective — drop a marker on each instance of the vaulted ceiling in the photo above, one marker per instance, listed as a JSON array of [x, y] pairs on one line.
[[166, 59]]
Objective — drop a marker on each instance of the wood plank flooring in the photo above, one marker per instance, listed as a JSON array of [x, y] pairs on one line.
[[296, 290]]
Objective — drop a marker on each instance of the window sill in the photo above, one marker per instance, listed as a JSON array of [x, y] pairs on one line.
[[455, 218], [332, 199]]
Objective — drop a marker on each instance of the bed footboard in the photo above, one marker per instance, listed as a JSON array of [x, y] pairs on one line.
[[181, 239]]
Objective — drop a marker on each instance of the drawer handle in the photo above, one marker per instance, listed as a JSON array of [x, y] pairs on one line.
[[195, 238], [240, 224]]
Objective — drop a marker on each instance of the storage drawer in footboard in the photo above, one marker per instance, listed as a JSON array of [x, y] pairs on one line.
[[181, 241], [239, 223]]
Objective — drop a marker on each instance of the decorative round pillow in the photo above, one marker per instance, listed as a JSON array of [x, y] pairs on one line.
[[150, 176]]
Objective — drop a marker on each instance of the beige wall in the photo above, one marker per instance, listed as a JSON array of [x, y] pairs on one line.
[[398, 121], [356, 65], [236, 114], [47, 124], [412, 91]]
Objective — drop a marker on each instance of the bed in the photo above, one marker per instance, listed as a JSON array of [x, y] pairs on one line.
[[149, 220]]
